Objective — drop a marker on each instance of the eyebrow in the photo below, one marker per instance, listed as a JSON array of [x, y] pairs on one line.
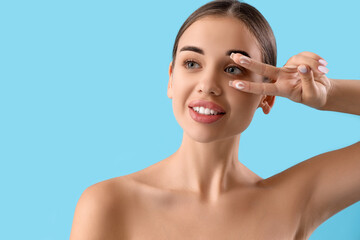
[[199, 50]]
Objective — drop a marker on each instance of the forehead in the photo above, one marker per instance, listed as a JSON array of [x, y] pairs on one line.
[[217, 34]]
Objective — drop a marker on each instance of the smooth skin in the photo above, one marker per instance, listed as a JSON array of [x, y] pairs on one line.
[[203, 191]]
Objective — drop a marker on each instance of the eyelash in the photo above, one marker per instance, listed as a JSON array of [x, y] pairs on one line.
[[188, 61], [233, 66]]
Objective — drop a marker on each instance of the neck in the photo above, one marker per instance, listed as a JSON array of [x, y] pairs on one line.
[[209, 169]]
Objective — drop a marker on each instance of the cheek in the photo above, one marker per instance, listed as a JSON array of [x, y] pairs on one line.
[[181, 92], [182, 84], [243, 107], [243, 102]]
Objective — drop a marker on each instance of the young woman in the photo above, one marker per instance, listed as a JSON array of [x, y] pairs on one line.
[[223, 69]]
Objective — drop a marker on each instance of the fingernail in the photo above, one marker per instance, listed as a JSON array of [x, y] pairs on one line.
[[240, 85], [244, 60], [232, 55], [302, 69], [230, 83], [323, 62], [323, 69]]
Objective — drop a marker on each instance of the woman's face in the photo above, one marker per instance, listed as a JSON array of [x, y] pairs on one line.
[[202, 71]]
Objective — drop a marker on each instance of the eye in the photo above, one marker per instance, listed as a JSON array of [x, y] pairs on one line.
[[234, 70], [190, 64]]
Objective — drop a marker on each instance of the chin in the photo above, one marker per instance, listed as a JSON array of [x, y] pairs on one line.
[[206, 133], [202, 136]]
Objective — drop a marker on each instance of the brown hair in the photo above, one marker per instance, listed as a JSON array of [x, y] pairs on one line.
[[246, 13]]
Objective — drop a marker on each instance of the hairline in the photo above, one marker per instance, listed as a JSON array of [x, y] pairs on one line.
[[218, 15]]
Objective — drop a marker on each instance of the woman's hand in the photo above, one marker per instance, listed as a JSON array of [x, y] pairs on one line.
[[302, 79]]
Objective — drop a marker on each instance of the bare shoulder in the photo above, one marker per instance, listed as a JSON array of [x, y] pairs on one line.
[[100, 209]]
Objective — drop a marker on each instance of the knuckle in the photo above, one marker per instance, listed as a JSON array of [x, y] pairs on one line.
[[314, 66], [293, 58], [263, 89], [311, 55], [277, 72], [250, 87], [307, 77]]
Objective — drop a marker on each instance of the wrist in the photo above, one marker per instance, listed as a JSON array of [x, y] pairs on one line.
[[331, 89]]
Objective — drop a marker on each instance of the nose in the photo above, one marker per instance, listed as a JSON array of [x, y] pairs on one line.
[[209, 84]]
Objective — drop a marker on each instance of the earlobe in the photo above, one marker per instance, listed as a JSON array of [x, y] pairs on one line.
[[267, 103], [266, 108]]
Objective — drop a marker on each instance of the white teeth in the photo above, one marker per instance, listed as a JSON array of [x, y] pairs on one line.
[[205, 111]]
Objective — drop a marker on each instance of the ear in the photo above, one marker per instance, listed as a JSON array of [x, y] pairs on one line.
[[169, 89], [266, 103]]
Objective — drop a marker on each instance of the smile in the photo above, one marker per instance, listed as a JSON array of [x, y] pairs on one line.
[[205, 111], [204, 117]]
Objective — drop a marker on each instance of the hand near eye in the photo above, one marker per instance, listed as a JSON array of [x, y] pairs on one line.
[[302, 79]]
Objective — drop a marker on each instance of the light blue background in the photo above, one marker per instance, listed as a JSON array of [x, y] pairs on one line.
[[83, 99]]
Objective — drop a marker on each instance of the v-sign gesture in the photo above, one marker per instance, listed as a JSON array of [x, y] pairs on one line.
[[302, 79]]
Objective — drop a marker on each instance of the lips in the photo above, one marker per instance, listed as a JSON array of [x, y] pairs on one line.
[[202, 118], [206, 104]]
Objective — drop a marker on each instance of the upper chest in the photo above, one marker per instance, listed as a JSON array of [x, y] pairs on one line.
[[247, 214]]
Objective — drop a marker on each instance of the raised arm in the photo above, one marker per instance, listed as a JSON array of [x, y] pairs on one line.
[[335, 178], [344, 96], [332, 179]]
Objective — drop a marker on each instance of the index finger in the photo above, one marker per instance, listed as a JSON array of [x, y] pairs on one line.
[[263, 69]]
